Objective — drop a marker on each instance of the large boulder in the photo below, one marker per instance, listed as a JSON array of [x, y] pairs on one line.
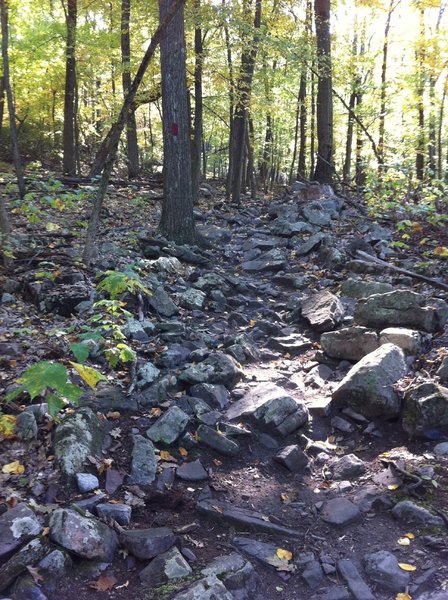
[[402, 308], [323, 311], [425, 411], [350, 343], [368, 386]]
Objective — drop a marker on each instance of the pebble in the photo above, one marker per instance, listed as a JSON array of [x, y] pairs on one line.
[[86, 482]]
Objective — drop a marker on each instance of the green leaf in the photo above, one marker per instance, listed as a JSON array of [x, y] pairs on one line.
[[71, 391], [127, 354], [80, 351], [41, 376], [55, 404]]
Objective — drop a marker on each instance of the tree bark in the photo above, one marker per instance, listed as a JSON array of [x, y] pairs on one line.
[[198, 104], [69, 163], [131, 123], [177, 220], [420, 90], [231, 104], [324, 164], [439, 132], [2, 100], [10, 99]]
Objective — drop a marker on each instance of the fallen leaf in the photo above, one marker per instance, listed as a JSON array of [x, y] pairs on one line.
[[123, 585], [404, 541], [252, 323], [282, 553], [393, 486], [280, 564], [411, 536], [104, 583], [284, 497], [218, 509], [217, 462], [113, 415], [34, 572], [165, 455], [407, 567], [287, 355], [14, 468], [156, 411], [115, 433], [88, 374], [183, 451], [403, 596], [7, 425]]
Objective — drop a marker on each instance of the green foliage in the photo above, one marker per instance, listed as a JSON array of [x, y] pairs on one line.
[[80, 351], [121, 353], [115, 283]]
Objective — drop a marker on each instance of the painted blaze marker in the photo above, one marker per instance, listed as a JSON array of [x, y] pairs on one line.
[[175, 129]]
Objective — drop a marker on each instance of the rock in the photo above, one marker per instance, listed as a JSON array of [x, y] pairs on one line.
[[262, 551], [193, 406], [348, 467], [311, 243], [411, 513], [367, 387], [8, 298], [17, 564], [236, 573], [336, 592], [77, 437], [316, 215], [134, 330], [208, 588], [210, 437], [121, 513], [243, 350], [382, 568], [55, 565], [313, 574], [340, 512], [26, 426], [212, 281], [425, 410], [350, 343], [323, 311], [161, 302], [147, 374], [192, 471], [273, 260], [216, 396], [86, 482], [286, 228], [441, 449], [192, 299], [354, 581], [409, 340], [293, 458], [217, 368], [242, 517], [26, 589], [87, 538], [442, 371], [175, 356], [434, 595], [147, 543], [402, 308], [88, 504], [144, 462], [112, 398], [358, 288], [17, 526], [342, 425], [165, 567], [169, 426]]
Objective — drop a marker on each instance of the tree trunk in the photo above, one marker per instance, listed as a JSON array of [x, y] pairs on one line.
[[301, 174], [198, 105], [231, 105], [10, 100], [250, 178], [267, 153], [420, 56], [349, 139], [383, 95], [131, 123], [69, 164], [177, 221], [2, 100], [439, 132], [324, 165], [360, 175]]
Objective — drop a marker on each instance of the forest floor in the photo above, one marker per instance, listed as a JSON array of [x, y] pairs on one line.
[[252, 312]]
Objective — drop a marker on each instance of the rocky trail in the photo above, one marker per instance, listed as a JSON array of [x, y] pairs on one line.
[[282, 431]]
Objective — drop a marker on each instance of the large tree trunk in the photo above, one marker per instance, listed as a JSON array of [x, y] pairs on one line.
[[69, 163], [301, 174], [324, 165], [177, 221], [198, 105], [10, 100], [131, 123]]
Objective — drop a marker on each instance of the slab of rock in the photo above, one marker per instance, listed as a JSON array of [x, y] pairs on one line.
[[367, 387], [262, 551], [323, 311], [26, 426], [79, 436], [441, 449], [425, 410], [216, 396], [87, 538], [382, 568], [86, 482], [242, 517], [175, 356], [121, 513], [293, 458], [219, 442], [134, 330], [144, 462], [273, 260], [350, 343], [147, 374], [218, 368], [169, 426], [147, 543], [348, 467], [340, 512], [192, 299], [402, 308], [354, 581], [410, 513], [316, 215], [236, 573], [208, 588], [358, 288], [161, 302], [342, 425], [18, 563], [336, 592], [311, 243], [409, 340], [442, 371], [17, 526], [192, 471], [165, 567]]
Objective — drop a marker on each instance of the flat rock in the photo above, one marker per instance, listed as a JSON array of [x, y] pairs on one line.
[[217, 396], [165, 567], [409, 512], [17, 526], [262, 551], [147, 543], [147, 374], [161, 302], [87, 538], [169, 426], [382, 568], [353, 580], [359, 288], [409, 340], [273, 260], [192, 299], [350, 343], [368, 386], [425, 410], [121, 513], [442, 371], [348, 467], [336, 592], [293, 458], [313, 574], [30, 554], [208, 588], [323, 311], [242, 517], [218, 368], [219, 442], [192, 471], [236, 573], [441, 449], [86, 482], [310, 244], [340, 512], [144, 462]]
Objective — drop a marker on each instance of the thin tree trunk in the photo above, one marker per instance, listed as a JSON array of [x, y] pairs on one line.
[[420, 56], [131, 122], [313, 124], [250, 160], [267, 153], [231, 105], [296, 143], [301, 167], [2, 100], [360, 176], [198, 104], [349, 139], [68, 164], [439, 132]]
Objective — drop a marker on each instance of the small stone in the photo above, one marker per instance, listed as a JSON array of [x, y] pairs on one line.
[[169, 426], [293, 458], [337, 592], [441, 449], [17, 526], [340, 512], [323, 311], [26, 426], [409, 340], [382, 567], [121, 513], [442, 371], [411, 513], [165, 567], [354, 581], [147, 374], [144, 462], [210, 437], [86, 482], [348, 467], [236, 573], [313, 574], [342, 425], [147, 543], [193, 471]]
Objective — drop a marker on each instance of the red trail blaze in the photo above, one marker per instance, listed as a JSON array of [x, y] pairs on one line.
[[175, 129]]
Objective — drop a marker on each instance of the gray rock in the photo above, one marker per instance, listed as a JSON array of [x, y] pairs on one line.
[[358, 288], [192, 471], [112, 398], [147, 543], [293, 458], [442, 371], [56, 565], [243, 350], [323, 310], [261, 551], [313, 574], [134, 330], [340, 512], [409, 340], [342, 425], [217, 368], [165, 567], [236, 573], [26, 426], [434, 595], [348, 467], [147, 374], [144, 462], [286, 228], [273, 260], [86, 482], [382, 568], [402, 308], [336, 592], [175, 356], [8, 298], [350, 343], [208, 588], [441, 449], [410, 513], [17, 526], [169, 426], [192, 299], [316, 215], [216, 396], [161, 302], [219, 442], [79, 436], [354, 581], [88, 504], [30, 554], [39, 411], [425, 411], [212, 281], [311, 243], [87, 538], [368, 386], [121, 513]]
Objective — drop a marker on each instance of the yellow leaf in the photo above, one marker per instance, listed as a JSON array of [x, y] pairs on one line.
[[217, 462], [89, 375], [404, 541], [14, 468], [287, 355], [252, 323], [183, 451], [411, 536], [286, 554], [156, 411], [407, 567], [284, 497], [393, 486], [441, 251], [7, 423], [403, 596], [165, 455]]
